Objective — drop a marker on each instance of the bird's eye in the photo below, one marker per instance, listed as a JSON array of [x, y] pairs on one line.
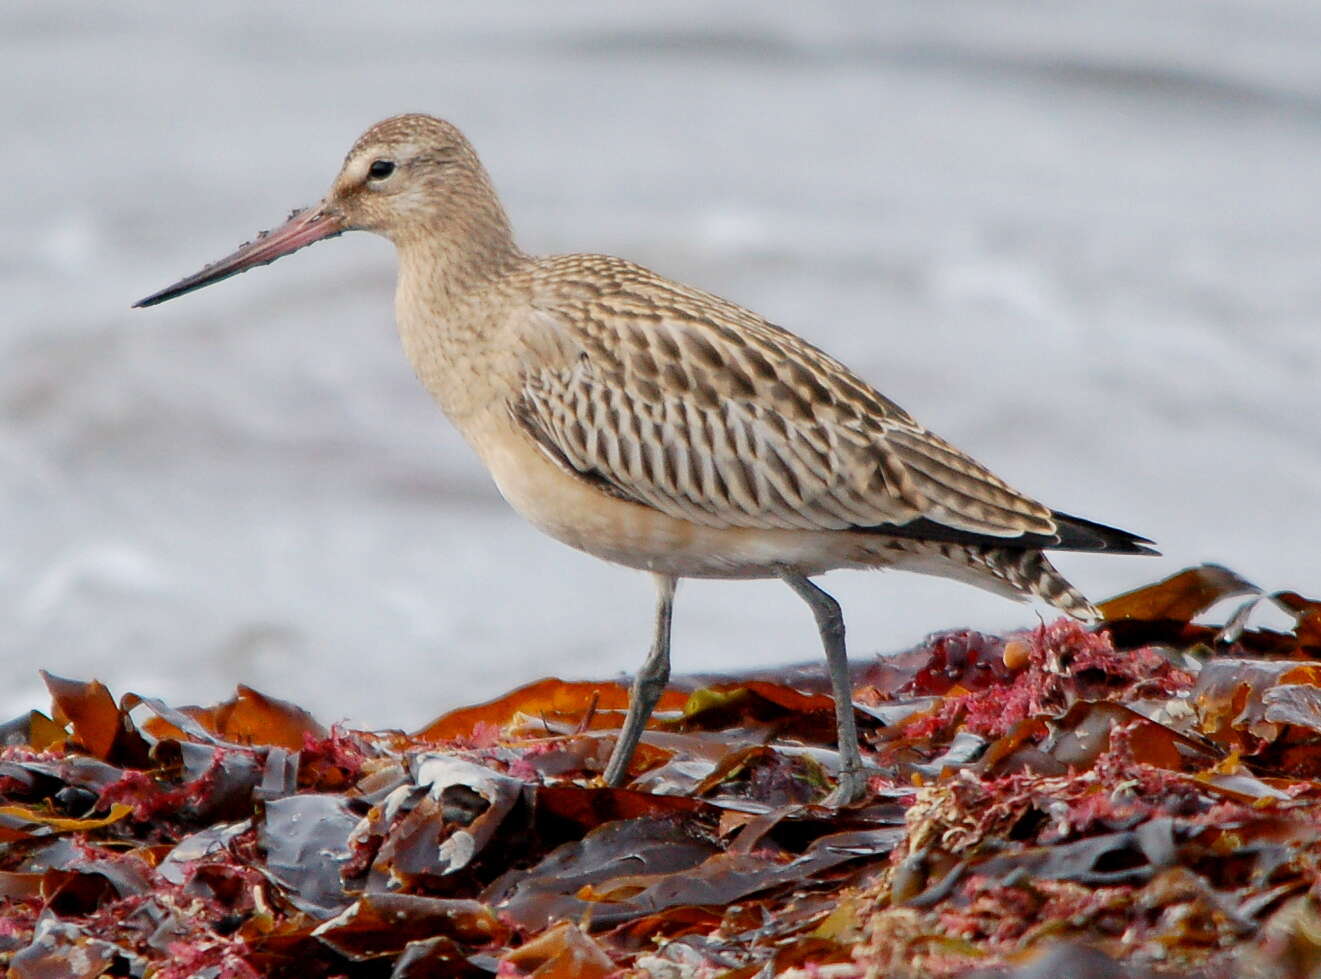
[[380, 169]]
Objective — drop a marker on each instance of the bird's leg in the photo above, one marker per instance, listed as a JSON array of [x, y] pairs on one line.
[[830, 621], [647, 686]]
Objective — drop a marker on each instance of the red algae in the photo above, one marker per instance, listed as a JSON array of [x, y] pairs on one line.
[[226, 960], [149, 800], [338, 759], [522, 767], [1065, 663]]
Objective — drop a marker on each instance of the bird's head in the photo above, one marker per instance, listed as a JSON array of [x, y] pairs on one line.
[[405, 176], [408, 178]]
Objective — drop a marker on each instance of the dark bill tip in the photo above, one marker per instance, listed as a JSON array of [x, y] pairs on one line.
[[302, 229]]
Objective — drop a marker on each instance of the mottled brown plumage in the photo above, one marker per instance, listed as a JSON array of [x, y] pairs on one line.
[[662, 427]]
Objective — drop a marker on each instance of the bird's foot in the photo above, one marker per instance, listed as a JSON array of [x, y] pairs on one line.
[[850, 788]]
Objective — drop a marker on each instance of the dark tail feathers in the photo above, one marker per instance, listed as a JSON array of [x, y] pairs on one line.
[[1077, 534]]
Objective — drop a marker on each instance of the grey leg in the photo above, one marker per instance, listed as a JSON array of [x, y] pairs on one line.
[[830, 621], [647, 686]]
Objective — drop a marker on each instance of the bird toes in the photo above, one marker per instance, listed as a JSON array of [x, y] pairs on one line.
[[850, 788]]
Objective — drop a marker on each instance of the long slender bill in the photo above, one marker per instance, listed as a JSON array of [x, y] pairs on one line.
[[303, 228]]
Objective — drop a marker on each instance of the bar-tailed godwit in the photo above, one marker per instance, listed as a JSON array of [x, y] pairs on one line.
[[661, 427]]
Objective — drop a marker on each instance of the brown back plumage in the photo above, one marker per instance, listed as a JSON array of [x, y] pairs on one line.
[[699, 408]]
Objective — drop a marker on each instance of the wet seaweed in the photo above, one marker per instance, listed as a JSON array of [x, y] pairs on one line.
[[1139, 799]]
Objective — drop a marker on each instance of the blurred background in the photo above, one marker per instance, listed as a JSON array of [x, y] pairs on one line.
[[1079, 240]]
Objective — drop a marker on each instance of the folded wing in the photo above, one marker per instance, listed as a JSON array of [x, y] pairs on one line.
[[680, 401]]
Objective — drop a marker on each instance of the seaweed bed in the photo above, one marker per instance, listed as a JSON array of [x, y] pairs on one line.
[[1137, 800]]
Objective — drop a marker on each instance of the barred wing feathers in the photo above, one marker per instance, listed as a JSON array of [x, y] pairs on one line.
[[691, 405]]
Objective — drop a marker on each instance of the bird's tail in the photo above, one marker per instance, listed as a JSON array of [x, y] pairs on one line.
[[1031, 574]]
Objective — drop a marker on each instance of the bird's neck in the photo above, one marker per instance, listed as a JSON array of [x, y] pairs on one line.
[[469, 247], [450, 305]]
